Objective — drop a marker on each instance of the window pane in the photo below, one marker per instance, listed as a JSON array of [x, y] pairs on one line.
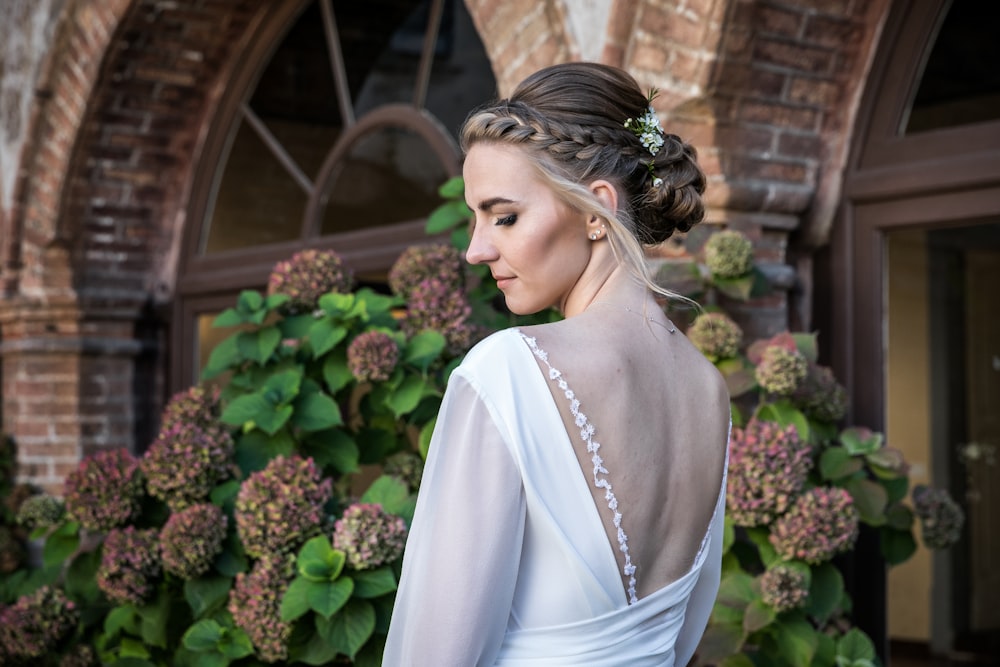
[[961, 83], [257, 201], [390, 175]]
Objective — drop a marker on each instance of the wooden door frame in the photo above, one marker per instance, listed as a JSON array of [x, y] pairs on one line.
[[894, 181]]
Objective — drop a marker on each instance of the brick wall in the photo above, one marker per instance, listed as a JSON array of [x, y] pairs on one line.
[[766, 90]]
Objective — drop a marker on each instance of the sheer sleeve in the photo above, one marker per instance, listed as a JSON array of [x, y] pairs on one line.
[[462, 554], [703, 596]]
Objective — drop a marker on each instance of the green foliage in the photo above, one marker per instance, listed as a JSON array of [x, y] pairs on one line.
[[286, 388]]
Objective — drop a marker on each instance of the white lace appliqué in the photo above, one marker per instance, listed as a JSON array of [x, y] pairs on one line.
[[600, 481]]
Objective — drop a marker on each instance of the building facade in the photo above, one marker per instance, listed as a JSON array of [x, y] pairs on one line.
[[159, 156]]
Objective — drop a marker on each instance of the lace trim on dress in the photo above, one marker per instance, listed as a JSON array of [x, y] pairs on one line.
[[587, 435]]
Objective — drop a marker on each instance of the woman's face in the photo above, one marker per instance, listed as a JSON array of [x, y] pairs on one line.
[[535, 246]]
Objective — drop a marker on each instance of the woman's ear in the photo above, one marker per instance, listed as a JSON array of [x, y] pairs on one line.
[[606, 193]]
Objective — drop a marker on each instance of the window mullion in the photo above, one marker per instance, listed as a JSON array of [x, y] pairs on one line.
[[427, 55], [286, 160], [337, 64]]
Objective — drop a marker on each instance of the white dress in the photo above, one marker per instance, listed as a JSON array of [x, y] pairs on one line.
[[508, 561]]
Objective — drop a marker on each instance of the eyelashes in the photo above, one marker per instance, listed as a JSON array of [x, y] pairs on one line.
[[508, 220]]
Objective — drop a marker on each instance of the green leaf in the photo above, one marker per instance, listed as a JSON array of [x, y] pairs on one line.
[[258, 345], [897, 488], [283, 386], [153, 628], [328, 597], [132, 648], [758, 616], [272, 301], [243, 409], [315, 412], [296, 326], [391, 493], [797, 641], [235, 644], [271, 419], [825, 591], [60, 544], [332, 448], [313, 652], [203, 635], [759, 536], [728, 533], [899, 517], [120, 619], [318, 561], [250, 301], [324, 335], [338, 304], [855, 645], [350, 628], [406, 397], [206, 594], [784, 413], [372, 583], [897, 545], [424, 441], [448, 215], [738, 660], [81, 577], [826, 649], [719, 642], [858, 440], [736, 590], [736, 288], [223, 356], [836, 463], [295, 602], [424, 348], [806, 344], [887, 463], [255, 449], [336, 373], [230, 317], [870, 498], [453, 188]]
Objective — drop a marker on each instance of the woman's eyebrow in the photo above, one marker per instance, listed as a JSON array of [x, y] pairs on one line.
[[487, 204]]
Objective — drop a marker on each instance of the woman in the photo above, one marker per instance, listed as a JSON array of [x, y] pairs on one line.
[[571, 509]]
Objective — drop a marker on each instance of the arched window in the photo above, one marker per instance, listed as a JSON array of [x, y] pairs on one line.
[[335, 132]]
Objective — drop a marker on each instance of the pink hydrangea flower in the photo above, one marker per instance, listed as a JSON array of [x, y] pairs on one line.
[[255, 603], [822, 523], [130, 565], [372, 356], [716, 335], [104, 491], [420, 262], [191, 539], [729, 254], [307, 276], [820, 396], [768, 465], [369, 536], [941, 518], [280, 507], [436, 305], [33, 626], [783, 588], [186, 461], [781, 371]]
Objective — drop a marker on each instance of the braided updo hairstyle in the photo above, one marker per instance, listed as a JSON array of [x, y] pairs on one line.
[[570, 119]]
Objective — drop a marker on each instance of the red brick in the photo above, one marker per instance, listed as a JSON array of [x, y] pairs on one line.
[[784, 53]]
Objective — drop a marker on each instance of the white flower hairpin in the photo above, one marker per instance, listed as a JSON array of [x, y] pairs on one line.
[[647, 128]]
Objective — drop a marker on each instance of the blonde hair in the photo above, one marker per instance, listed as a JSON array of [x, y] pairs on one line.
[[570, 121]]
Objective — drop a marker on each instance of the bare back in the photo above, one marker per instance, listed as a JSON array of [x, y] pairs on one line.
[[661, 413]]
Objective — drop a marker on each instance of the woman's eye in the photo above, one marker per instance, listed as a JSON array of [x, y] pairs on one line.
[[507, 220]]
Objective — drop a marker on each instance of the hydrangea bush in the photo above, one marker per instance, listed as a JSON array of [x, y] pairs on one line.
[[240, 536], [801, 487], [246, 533]]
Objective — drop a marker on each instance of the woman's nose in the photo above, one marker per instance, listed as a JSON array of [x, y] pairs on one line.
[[480, 249]]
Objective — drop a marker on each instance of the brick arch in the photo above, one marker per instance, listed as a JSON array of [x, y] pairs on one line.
[[35, 262], [149, 112], [521, 36]]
